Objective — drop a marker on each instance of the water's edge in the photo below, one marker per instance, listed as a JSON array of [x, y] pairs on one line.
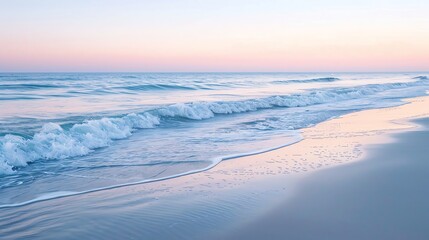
[[215, 162]]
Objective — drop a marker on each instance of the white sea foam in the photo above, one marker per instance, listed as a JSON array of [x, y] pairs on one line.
[[204, 110], [55, 142]]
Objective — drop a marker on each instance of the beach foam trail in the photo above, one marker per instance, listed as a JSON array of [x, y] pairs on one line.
[[57, 142], [214, 162]]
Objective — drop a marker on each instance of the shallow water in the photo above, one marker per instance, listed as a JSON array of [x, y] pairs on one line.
[[66, 133]]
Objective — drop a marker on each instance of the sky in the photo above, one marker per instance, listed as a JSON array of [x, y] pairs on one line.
[[214, 35]]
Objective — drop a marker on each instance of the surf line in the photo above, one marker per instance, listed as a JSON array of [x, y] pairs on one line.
[[216, 161]]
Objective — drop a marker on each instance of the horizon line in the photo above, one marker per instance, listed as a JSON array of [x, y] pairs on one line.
[[158, 72]]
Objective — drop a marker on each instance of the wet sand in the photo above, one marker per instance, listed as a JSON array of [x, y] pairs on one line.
[[386, 196], [225, 201]]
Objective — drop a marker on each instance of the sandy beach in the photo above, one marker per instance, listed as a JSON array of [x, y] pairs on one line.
[[253, 195], [382, 197]]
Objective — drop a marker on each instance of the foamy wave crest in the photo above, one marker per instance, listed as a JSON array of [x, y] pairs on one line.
[[325, 79], [205, 110], [55, 142]]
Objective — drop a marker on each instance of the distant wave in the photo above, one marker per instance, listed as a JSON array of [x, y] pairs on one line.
[[19, 98], [22, 86], [39, 78], [421, 77], [129, 77], [326, 79], [56, 142], [149, 87]]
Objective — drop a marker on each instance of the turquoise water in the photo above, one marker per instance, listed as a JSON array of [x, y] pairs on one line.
[[70, 133]]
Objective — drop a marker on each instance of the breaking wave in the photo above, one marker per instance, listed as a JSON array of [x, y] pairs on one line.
[[55, 142]]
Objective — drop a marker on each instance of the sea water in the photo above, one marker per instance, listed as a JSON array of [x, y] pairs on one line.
[[71, 133]]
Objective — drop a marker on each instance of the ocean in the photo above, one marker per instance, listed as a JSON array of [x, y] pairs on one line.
[[65, 134]]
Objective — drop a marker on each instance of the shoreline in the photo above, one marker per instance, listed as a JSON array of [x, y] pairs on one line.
[[249, 186], [382, 197], [343, 136], [304, 134]]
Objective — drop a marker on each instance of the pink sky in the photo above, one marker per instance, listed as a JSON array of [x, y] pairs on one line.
[[209, 36]]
